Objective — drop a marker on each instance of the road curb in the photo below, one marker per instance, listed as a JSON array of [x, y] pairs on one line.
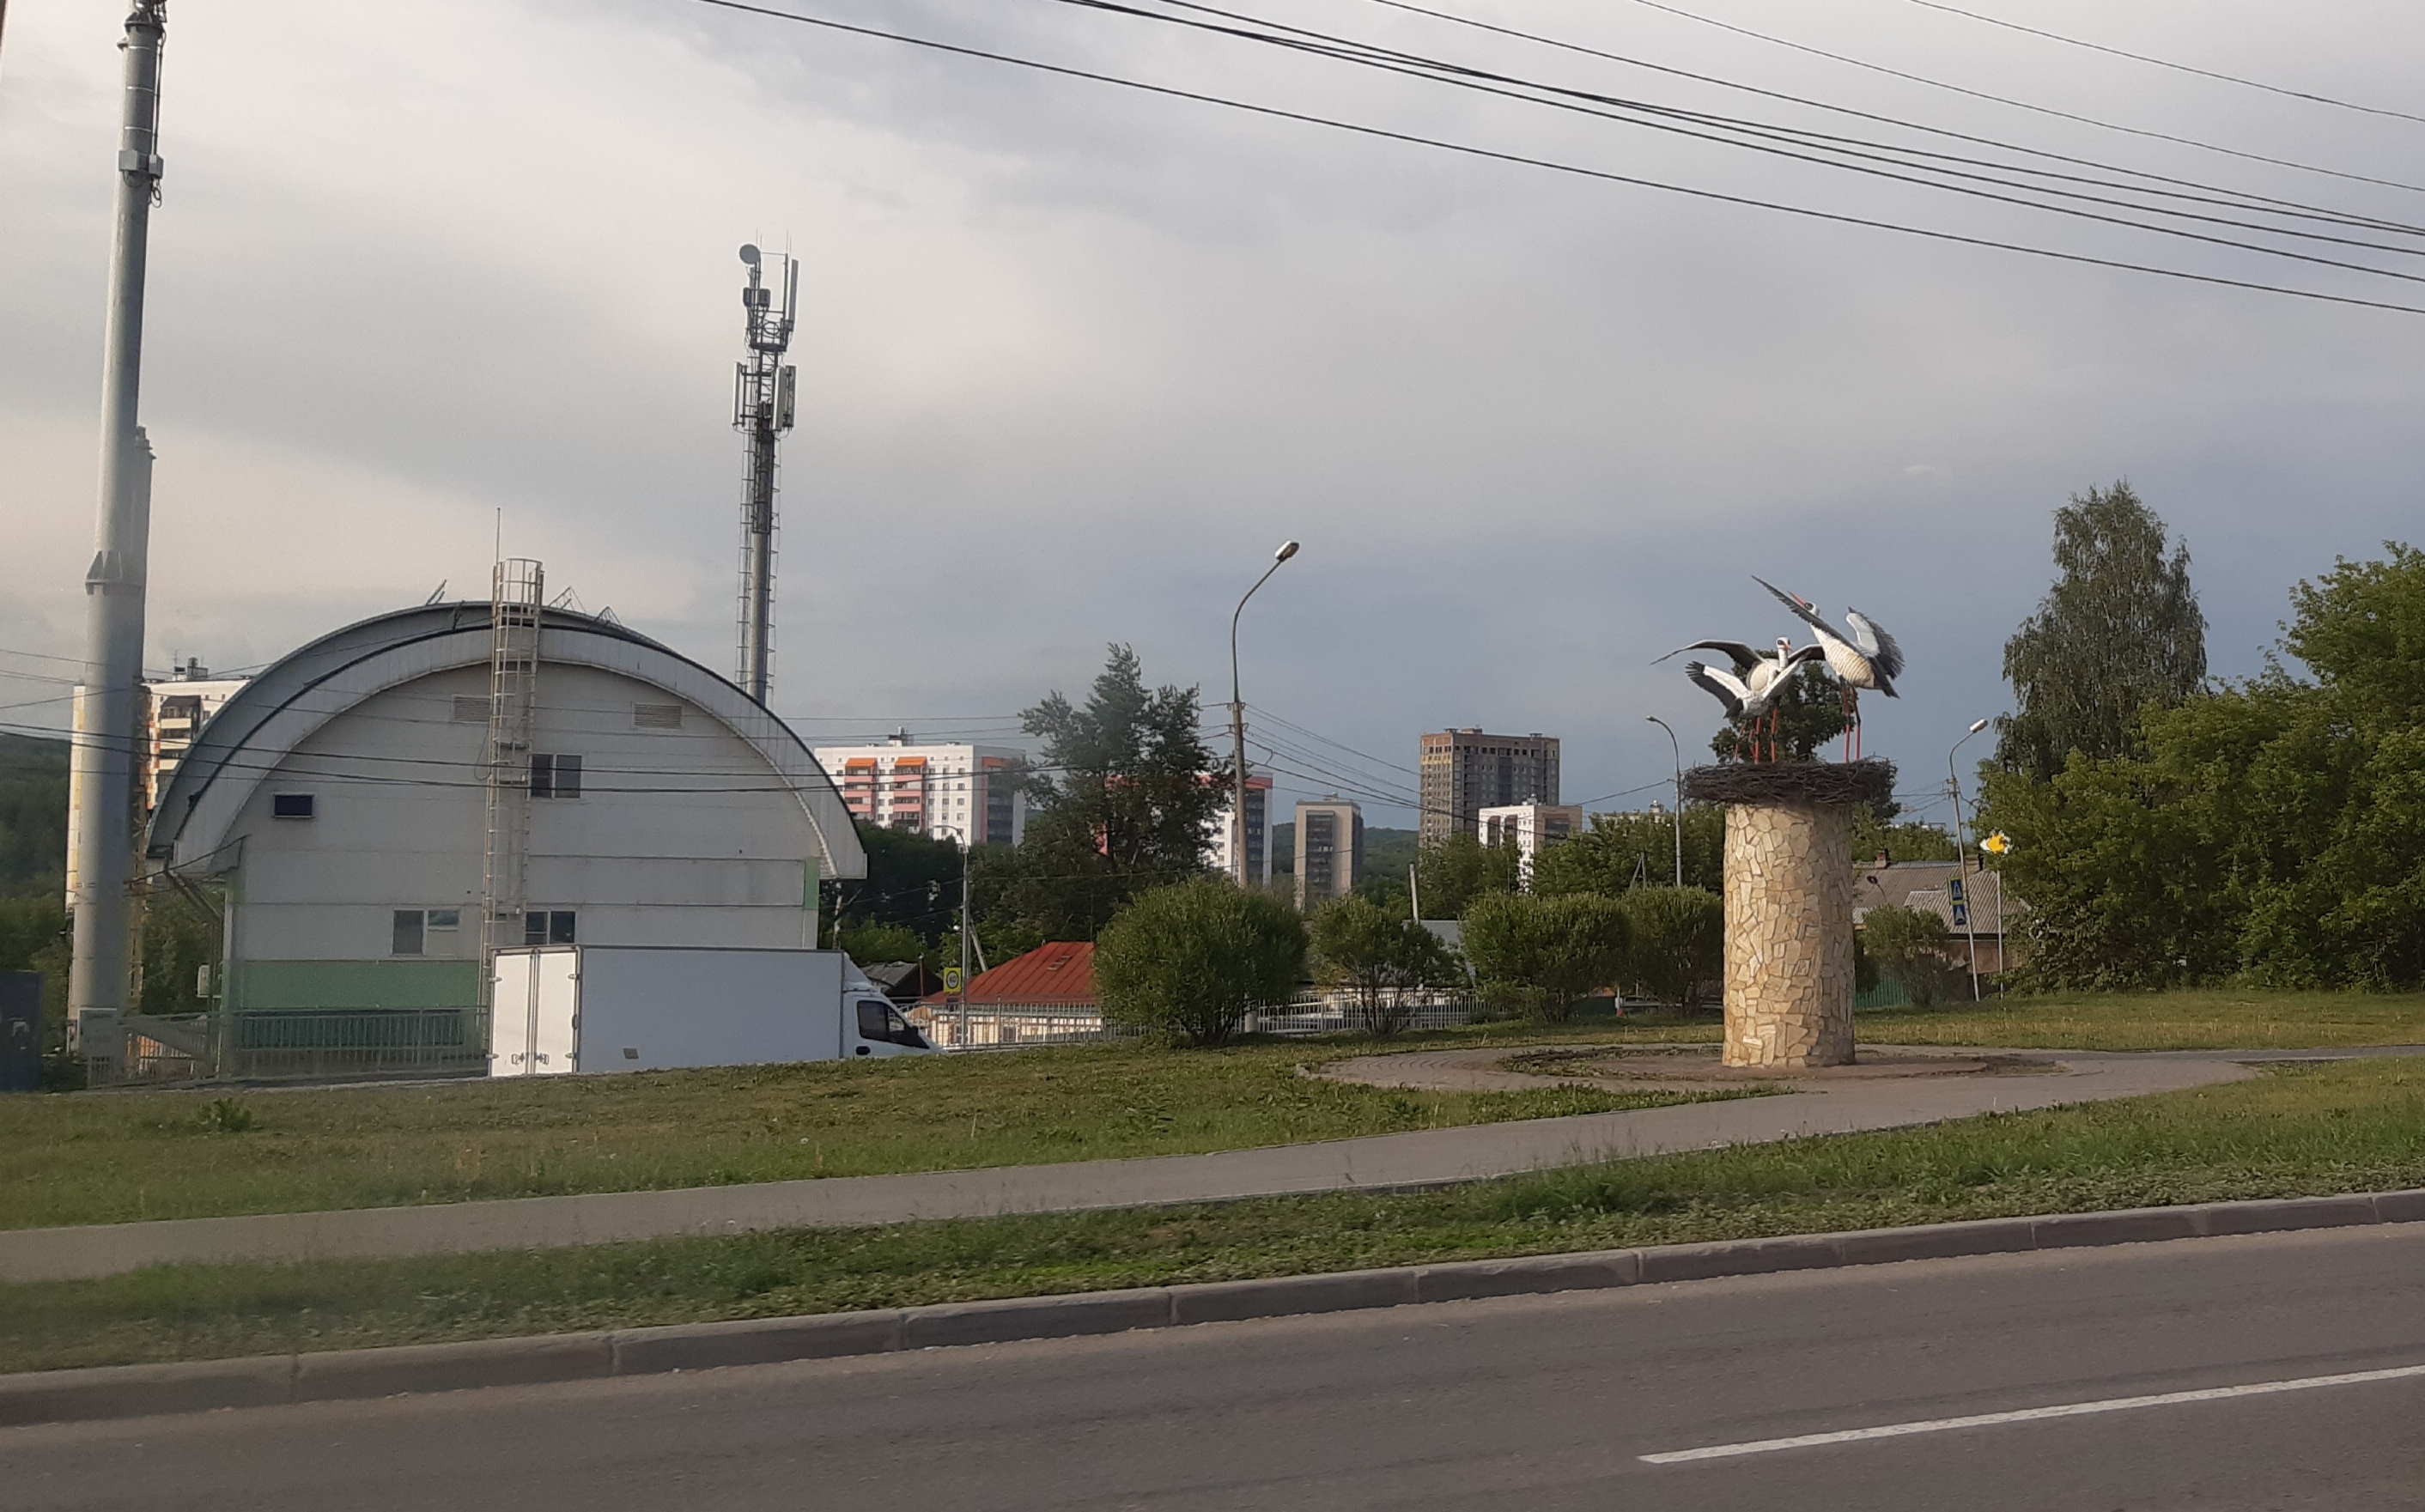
[[108, 1392]]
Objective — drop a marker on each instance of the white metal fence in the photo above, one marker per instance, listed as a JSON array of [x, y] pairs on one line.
[[1313, 1012]]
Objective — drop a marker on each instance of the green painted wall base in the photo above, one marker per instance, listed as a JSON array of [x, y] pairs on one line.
[[340, 985]]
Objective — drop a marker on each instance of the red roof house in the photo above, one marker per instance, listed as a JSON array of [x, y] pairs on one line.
[[1058, 974]]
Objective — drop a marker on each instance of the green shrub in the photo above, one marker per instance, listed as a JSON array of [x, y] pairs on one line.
[[1192, 959], [1381, 959], [1680, 936], [1910, 946], [1538, 954]]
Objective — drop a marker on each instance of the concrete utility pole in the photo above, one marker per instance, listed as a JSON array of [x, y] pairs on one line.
[[1962, 867], [762, 411], [1678, 749], [1238, 728], [108, 706]]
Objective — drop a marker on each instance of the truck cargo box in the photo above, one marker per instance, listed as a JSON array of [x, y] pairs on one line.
[[565, 1008]]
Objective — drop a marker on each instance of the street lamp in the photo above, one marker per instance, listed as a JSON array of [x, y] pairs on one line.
[[1678, 749], [1962, 864], [1237, 725]]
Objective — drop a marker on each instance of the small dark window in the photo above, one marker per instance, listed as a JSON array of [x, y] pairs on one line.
[[445, 918], [290, 805], [555, 777], [871, 1021], [408, 933], [549, 927]]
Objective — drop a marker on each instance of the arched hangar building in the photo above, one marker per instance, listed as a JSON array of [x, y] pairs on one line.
[[342, 798]]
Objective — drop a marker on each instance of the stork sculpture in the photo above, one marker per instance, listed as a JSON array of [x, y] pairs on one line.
[[1749, 692], [1869, 658]]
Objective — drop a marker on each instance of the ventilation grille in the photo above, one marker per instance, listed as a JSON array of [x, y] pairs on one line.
[[471, 709], [656, 716]]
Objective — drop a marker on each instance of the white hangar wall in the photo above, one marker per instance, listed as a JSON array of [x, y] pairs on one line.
[[685, 831]]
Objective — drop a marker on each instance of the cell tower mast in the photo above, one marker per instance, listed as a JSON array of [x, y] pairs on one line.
[[761, 412], [107, 714]]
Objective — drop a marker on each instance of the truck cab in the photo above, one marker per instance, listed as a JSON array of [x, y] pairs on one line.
[[877, 1028]]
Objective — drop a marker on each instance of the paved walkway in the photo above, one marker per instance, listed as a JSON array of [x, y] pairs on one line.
[[1432, 1157]]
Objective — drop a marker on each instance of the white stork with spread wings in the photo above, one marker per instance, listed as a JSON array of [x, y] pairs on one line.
[[1869, 658], [1751, 690]]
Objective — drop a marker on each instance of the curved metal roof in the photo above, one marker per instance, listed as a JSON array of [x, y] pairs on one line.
[[300, 692]]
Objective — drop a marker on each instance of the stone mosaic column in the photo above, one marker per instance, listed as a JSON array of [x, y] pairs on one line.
[[1789, 934], [1788, 896]]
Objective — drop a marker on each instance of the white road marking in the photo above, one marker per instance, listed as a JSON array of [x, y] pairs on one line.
[[2035, 1414]]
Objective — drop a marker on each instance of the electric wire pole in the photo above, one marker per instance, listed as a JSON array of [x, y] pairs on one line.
[[101, 818], [762, 411]]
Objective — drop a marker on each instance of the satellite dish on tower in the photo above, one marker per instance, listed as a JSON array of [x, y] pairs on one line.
[[749, 254]]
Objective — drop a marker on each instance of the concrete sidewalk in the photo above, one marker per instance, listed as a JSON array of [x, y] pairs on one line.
[[1432, 1157]]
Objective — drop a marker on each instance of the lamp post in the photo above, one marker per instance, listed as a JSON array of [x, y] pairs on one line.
[[1678, 749], [1237, 725], [1962, 863]]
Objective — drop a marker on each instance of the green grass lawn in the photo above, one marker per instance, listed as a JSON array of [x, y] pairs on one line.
[[114, 1157], [108, 1158], [2353, 1126], [2192, 1018]]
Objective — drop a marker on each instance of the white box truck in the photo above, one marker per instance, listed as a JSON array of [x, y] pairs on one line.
[[562, 1008]]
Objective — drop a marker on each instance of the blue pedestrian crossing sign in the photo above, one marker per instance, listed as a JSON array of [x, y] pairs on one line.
[[1959, 895]]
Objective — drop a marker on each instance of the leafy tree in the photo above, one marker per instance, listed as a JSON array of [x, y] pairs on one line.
[[1808, 714], [1619, 851], [1910, 839], [33, 938], [1459, 868], [1380, 958], [2119, 630], [1679, 941], [2273, 829], [1388, 893], [1538, 954], [179, 937], [871, 944], [912, 882], [1125, 802], [1909, 946], [1192, 959]]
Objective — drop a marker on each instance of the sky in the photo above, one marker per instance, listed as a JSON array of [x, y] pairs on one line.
[[1074, 358]]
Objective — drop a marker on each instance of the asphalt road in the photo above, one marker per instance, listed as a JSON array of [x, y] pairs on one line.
[[1533, 1403]]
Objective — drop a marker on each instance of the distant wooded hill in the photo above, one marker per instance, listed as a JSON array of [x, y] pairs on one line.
[[1387, 852], [33, 814]]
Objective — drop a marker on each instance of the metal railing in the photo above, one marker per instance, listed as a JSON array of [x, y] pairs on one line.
[[1310, 1013], [131, 1050]]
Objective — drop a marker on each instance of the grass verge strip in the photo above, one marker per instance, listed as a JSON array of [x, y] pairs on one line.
[[2296, 1130]]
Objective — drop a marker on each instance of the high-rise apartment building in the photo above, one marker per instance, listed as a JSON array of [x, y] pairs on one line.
[[1529, 828], [180, 707], [1258, 834], [1466, 771], [948, 792], [1329, 851]]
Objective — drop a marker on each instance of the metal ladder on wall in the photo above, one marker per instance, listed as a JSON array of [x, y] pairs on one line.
[[517, 592]]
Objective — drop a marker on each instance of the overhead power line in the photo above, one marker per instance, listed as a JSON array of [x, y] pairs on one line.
[[1552, 165], [2307, 95], [2018, 104], [1870, 159]]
